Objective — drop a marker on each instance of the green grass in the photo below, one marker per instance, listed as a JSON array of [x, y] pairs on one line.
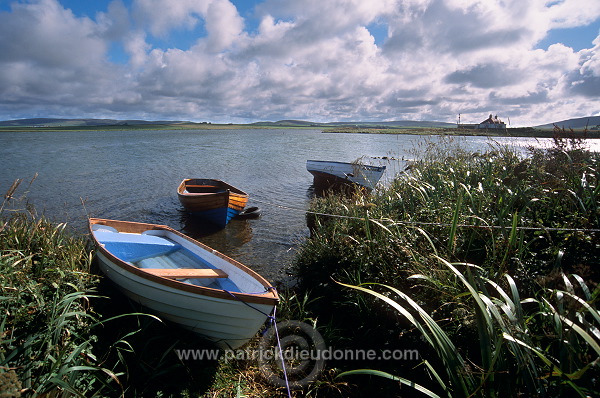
[[53, 340], [46, 347], [524, 221], [494, 209], [551, 349]]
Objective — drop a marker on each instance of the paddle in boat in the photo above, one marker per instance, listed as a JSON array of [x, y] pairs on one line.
[[213, 200], [184, 281], [329, 174]]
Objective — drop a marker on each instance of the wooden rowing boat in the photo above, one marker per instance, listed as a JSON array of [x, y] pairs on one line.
[[213, 200], [184, 281], [329, 174]]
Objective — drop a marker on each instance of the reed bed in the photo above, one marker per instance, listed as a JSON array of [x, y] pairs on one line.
[[53, 342], [546, 346], [456, 241], [44, 297]]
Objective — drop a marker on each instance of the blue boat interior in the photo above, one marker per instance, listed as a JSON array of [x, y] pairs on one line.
[[151, 251]]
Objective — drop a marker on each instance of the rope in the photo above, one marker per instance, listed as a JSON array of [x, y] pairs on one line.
[[242, 301], [285, 376], [422, 223], [273, 320]]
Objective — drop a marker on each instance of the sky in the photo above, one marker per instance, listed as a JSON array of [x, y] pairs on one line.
[[241, 61]]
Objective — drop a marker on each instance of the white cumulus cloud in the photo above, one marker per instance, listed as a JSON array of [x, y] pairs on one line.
[[304, 59]]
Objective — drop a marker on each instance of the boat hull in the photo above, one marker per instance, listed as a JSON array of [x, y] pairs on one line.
[[229, 319], [339, 174], [213, 200]]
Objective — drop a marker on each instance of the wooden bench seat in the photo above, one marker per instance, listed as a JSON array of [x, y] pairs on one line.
[[185, 273], [204, 189]]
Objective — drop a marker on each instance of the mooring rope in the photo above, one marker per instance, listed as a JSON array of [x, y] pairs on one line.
[[285, 376], [423, 223], [273, 320]]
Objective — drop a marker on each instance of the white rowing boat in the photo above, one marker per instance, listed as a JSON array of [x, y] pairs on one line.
[[331, 174], [184, 281]]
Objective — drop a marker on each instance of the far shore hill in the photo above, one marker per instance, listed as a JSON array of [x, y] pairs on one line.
[[584, 127]]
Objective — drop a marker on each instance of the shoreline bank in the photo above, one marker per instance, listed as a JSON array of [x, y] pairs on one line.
[[529, 132]]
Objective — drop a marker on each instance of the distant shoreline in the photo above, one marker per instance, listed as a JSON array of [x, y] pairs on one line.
[[509, 132]]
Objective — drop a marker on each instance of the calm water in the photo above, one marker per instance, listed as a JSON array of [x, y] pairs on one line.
[[133, 175]]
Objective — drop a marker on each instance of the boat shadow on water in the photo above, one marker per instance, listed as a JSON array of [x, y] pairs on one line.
[[237, 233]]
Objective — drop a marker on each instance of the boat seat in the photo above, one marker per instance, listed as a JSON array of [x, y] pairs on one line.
[[103, 228], [187, 273], [134, 247], [203, 189], [104, 235]]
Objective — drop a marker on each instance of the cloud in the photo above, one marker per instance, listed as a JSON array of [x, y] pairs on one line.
[[115, 23], [50, 59], [306, 59], [46, 34], [486, 76], [220, 17], [162, 16], [572, 13], [585, 81]]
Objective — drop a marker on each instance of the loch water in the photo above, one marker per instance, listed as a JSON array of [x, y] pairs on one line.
[[133, 175]]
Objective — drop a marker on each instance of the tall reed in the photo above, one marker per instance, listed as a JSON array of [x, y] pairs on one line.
[[541, 346], [47, 325], [531, 217], [496, 209]]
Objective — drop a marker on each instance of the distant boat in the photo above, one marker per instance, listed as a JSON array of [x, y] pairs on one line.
[[334, 174], [214, 200], [184, 281]]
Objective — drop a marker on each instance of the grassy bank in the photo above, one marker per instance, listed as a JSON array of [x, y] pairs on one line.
[[509, 132], [46, 347], [368, 128], [64, 331], [485, 263], [134, 127]]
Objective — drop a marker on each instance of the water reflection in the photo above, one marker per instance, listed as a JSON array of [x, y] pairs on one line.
[[226, 240], [310, 192], [196, 227]]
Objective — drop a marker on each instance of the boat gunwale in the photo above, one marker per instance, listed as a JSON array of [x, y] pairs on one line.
[[270, 297], [367, 166], [230, 189]]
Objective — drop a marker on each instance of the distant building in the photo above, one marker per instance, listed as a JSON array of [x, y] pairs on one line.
[[492, 123]]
